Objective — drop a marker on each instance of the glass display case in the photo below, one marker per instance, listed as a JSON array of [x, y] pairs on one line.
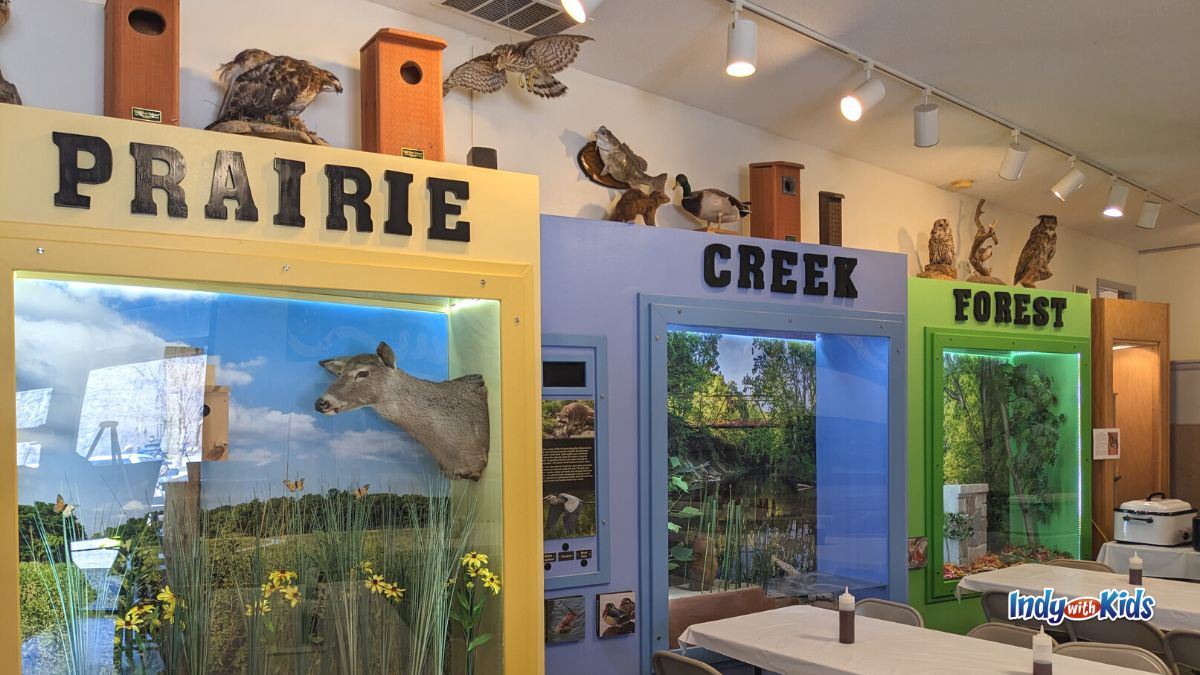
[[777, 457], [1011, 467], [242, 481]]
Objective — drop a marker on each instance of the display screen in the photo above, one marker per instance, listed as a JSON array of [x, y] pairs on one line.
[[777, 464], [1011, 473], [240, 482]]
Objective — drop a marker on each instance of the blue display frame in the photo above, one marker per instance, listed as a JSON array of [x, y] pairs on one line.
[[656, 315], [562, 347]]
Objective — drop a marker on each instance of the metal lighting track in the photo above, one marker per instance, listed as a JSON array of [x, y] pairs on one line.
[[817, 36]]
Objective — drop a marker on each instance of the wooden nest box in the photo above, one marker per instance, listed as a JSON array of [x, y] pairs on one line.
[[402, 95], [775, 200], [141, 60]]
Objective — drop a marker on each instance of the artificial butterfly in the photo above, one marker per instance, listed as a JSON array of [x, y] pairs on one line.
[[293, 485], [360, 492], [61, 506]]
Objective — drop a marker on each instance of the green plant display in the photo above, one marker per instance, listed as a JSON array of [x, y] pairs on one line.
[[471, 591]]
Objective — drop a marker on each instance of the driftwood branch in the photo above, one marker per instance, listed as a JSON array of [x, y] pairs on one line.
[[268, 130], [981, 249]]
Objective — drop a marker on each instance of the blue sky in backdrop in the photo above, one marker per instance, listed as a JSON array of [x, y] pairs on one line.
[[266, 350]]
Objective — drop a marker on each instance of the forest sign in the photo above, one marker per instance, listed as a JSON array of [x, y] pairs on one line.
[[1003, 307]]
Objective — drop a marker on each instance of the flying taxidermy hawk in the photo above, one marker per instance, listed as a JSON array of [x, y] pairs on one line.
[[534, 60], [262, 87]]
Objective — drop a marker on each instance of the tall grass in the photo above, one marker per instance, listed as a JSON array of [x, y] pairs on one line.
[[186, 642], [430, 564]]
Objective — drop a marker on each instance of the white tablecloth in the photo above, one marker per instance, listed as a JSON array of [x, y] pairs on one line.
[[1177, 603], [804, 639], [1175, 562]]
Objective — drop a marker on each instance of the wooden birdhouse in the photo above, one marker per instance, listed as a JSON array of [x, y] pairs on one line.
[[775, 200], [141, 60], [402, 95]]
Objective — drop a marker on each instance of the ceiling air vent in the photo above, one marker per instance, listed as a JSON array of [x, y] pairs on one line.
[[532, 17]]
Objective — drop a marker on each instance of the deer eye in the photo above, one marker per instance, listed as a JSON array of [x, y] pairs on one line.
[[362, 374]]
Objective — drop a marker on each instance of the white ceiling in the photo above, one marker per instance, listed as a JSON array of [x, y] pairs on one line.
[[1114, 80]]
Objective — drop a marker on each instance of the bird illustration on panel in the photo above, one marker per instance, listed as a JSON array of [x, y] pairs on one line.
[[534, 60], [1034, 264]]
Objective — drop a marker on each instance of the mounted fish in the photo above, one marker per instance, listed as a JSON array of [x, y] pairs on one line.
[[714, 207]]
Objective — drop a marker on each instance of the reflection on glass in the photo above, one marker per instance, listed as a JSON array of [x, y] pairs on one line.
[[1011, 466], [777, 464], [229, 483]]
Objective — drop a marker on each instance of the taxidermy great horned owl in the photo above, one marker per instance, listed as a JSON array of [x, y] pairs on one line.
[[1034, 264], [534, 60]]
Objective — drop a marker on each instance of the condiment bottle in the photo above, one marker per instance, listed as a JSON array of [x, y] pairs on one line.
[[846, 618], [1043, 647], [1135, 570]]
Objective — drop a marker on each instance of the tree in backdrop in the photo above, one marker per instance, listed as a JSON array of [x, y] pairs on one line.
[[1001, 427], [52, 525]]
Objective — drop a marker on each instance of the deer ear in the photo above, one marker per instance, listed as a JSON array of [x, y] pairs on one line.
[[386, 354], [334, 366]]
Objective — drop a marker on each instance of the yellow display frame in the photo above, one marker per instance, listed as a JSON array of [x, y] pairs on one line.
[[501, 264]]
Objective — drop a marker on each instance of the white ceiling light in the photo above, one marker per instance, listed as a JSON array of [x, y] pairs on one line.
[[1148, 218], [925, 124], [858, 102], [742, 51], [1116, 199], [580, 10], [1014, 158], [1069, 183]]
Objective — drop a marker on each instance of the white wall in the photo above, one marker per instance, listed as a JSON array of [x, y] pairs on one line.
[[883, 210], [1171, 277]]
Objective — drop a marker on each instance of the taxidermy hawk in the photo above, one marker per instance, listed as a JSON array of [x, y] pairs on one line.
[[262, 87], [534, 60], [8, 92], [5, 11]]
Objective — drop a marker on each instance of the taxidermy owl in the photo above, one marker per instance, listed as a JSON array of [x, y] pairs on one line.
[[5, 11], [277, 89], [941, 243], [1034, 264], [534, 60], [8, 92]]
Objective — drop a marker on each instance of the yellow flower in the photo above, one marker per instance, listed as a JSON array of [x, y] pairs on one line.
[[491, 581], [368, 567], [134, 618], [281, 577], [260, 607], [268, 590], [166, 596], [394, 592], [470, 584], [126, 624], [291, 594], [375, 584], [474, 560], [116, 639], [169, 614]]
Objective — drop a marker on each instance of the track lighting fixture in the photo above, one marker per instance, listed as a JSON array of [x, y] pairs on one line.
[[742, 49], [858, 102], [580, 10], [925, 123], [1117, 195], [1069, 183], [1148, 218], [1014, 158]]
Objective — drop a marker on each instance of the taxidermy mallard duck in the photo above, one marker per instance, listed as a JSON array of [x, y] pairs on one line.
[[711, 205]]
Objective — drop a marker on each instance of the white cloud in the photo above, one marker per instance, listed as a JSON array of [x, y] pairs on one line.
[[257, 456], [135, 507], [235, 373], [374, 445]]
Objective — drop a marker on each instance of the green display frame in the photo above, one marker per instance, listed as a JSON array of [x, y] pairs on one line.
[[936, 308], [937, 342]]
